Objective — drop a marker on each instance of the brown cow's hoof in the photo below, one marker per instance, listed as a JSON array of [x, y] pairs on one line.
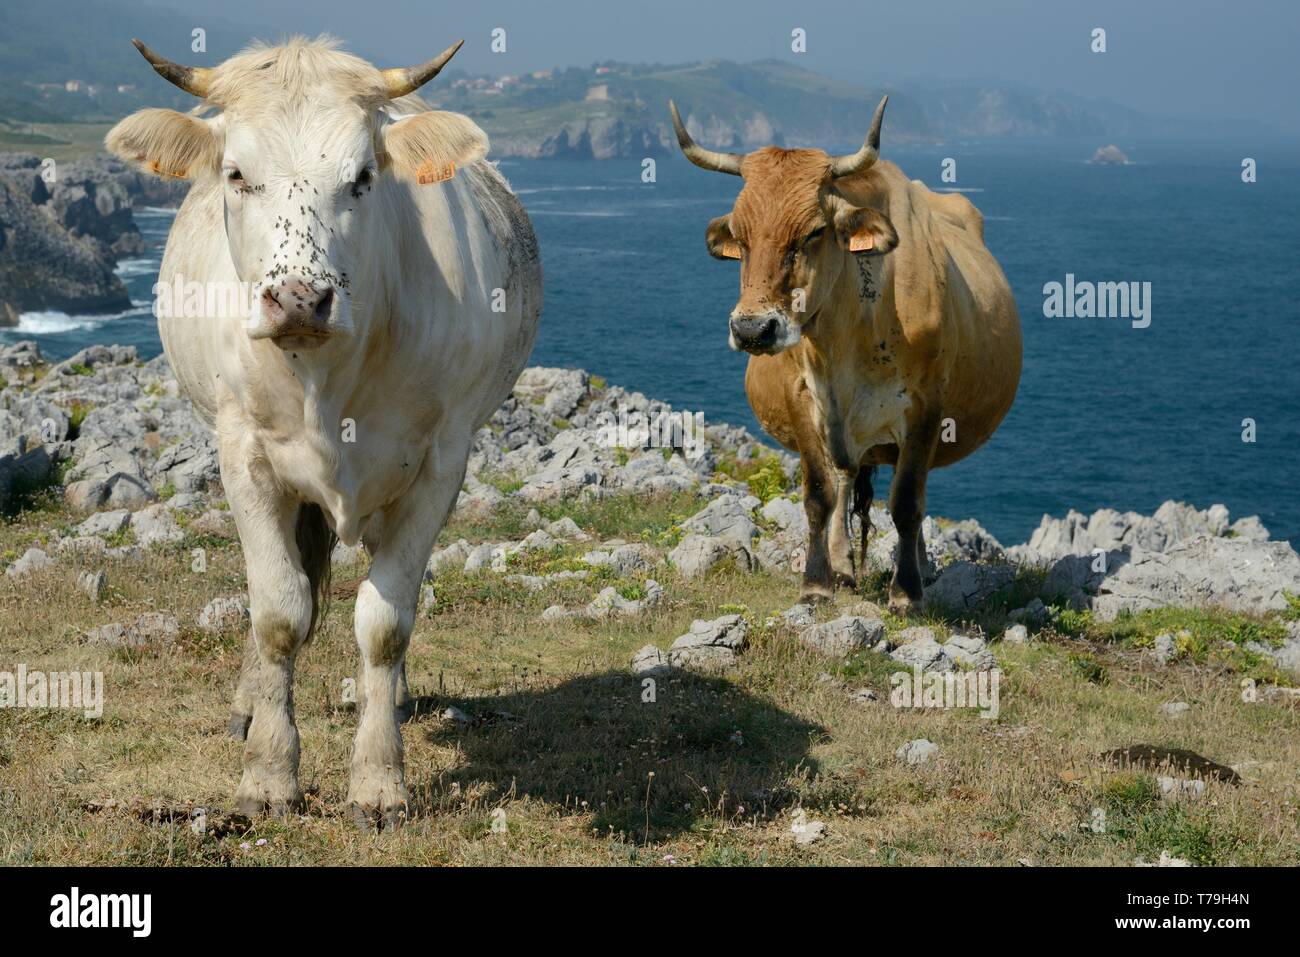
[[237, 726], [902, 605]]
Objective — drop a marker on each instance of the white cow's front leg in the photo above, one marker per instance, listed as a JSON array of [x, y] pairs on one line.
[[385, 614], [281, 610]]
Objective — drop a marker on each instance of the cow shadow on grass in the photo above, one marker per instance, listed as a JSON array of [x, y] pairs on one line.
[[648, 760]]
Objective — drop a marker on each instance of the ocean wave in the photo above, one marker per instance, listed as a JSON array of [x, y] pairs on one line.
[[48, 322], [137, 267], [569, 189]]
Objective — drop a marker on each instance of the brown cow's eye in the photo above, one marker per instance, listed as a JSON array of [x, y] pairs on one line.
[[815, 235]]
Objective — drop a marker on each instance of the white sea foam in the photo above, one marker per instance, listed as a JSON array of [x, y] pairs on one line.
[[48, 322], [136, 267], [569, 189]]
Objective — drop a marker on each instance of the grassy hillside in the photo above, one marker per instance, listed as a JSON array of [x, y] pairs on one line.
[[557, 745]]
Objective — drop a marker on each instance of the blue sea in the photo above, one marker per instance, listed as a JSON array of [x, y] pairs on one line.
[[1107, 414]]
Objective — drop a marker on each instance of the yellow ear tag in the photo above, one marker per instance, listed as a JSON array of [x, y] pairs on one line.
[[859, 244], [429, 173], [731, 249]]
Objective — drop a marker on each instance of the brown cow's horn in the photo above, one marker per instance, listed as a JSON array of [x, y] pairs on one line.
[[407, 79], [705, 159], [863, 158], [191, 79]]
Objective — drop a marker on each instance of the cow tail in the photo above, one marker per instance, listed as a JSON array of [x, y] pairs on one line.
[[863, 494], [316, 540]]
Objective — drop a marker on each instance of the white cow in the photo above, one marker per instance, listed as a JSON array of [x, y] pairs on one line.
[[391, 298]]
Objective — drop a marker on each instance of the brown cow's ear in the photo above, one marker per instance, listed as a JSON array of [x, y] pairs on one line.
[[864, 230], [166, 143], [722, 245], [430, 146]]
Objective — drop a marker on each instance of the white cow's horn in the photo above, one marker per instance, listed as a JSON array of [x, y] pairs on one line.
[[407, 79], [870, 152], [697, 154], [191, 79]]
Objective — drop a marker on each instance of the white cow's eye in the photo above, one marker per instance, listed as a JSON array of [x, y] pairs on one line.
[[366, 176], [234, 175]]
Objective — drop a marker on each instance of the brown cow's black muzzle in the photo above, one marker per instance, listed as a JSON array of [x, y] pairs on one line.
[[755, 333]]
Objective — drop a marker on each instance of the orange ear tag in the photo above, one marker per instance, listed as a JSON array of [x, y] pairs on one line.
[[155, 168], [429, 173], [731, 249], [858, 244]]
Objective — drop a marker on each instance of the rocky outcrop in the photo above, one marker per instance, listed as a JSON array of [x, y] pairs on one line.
[[128, 451], [1109, 156], [1109, 530], [598, 137], [45, 266], [1236, 574], [62, 231]]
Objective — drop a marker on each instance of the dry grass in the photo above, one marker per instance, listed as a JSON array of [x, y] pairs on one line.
[[586, 773]]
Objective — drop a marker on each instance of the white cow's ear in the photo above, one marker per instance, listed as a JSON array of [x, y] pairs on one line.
[[861, 229], [166, 143], [431, 145]]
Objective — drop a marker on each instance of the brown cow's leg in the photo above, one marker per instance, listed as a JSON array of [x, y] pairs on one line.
[[819, 505], [839, 533], [907, 507], [863, 493]]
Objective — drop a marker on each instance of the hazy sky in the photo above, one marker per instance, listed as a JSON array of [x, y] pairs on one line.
[[1167, 57]]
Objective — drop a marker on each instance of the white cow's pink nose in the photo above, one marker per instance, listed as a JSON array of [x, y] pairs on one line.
[[296, 308]]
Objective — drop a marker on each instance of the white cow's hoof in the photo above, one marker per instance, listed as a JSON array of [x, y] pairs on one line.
[[376, 818], [379, 800], [406, 710], [280, 810], [256, 797], [237, 726]]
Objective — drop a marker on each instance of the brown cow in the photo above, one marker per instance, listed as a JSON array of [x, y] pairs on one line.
[[880, 331]]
